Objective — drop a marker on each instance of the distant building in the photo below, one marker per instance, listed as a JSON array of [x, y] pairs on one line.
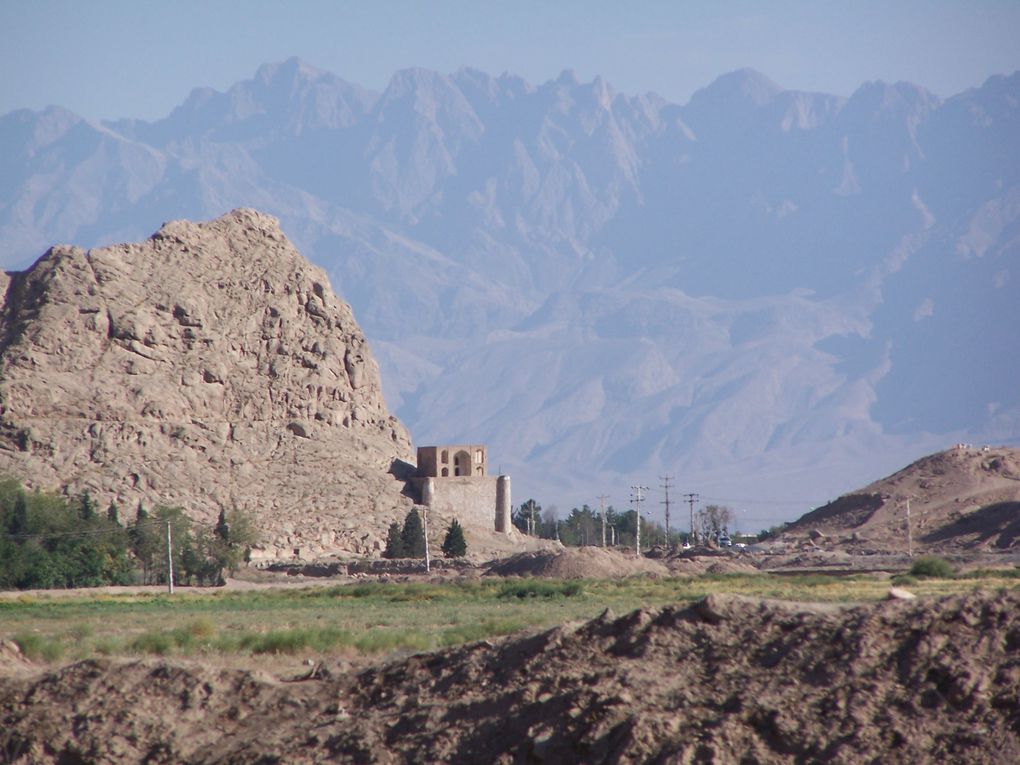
[[455, 480], [451, 461]]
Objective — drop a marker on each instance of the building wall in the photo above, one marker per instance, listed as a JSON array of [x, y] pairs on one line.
[[471, 500]]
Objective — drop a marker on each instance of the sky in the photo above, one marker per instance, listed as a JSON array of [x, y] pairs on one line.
[[106, 59]]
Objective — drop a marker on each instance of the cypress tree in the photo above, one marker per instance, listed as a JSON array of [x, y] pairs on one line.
[[413, 535], [394, 542], [454, 545], [222, 529], [113, 513], [86, 507]]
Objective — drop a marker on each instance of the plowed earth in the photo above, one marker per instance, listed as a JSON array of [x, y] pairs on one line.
[[726, 680]]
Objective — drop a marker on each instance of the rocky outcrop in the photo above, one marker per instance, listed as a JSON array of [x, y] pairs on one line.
[[210, 366]]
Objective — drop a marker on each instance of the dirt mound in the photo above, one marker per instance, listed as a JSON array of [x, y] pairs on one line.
[[728, 679], [576, 563], [700, 560], [11, 657], [962, 498]]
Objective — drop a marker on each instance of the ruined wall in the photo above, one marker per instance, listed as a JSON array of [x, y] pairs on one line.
[[472, 501]]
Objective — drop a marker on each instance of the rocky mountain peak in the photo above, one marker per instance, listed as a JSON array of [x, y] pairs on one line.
[[210, 366]]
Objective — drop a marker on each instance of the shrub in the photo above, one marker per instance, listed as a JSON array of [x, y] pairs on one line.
[[36, 647], [158, 643], [933, 567], [540, 589]]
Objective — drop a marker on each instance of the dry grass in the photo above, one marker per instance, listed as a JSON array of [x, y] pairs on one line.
[[372, 619]]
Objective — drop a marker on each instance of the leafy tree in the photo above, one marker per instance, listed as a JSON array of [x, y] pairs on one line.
[[182, 543], [46, 542], [412, 536], [455, 545], [712, 521], [394, 542], [527, 517]]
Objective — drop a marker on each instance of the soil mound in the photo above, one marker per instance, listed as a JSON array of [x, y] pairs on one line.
[[964, 498], [728, 679], [576, 563]]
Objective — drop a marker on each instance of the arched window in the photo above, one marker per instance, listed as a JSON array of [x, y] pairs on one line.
[[479, 457], [445, 457], [446, 472], [479, 470], [462, 463]]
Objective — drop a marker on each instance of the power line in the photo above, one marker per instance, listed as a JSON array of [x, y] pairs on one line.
[[98, 532]]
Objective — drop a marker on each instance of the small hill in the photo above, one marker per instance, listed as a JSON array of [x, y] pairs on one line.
[[961, 498], [211, 367]]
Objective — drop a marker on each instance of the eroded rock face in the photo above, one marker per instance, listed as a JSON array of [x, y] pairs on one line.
[[210, 366]]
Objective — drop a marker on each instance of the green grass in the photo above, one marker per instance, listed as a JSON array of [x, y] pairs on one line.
[[388, 618]]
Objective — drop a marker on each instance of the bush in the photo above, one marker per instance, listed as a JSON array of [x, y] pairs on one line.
[[36, 647], [933, 567], [536, 588]]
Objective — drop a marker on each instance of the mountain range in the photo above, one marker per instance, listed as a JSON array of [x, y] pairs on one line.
[[771, 296]]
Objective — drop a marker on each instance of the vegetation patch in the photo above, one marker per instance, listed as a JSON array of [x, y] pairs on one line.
[[540, 588], [931, 566]]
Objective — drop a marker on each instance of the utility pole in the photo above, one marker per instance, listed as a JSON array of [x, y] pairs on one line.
[[665, 487], [425, 531], [602, 512], [691, 498], [170, 558], [910, 536], [637, 497]]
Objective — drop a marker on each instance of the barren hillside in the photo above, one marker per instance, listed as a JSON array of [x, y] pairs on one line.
[[965, 497]]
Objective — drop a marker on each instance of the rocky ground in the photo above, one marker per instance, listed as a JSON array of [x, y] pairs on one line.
[[728, 679]]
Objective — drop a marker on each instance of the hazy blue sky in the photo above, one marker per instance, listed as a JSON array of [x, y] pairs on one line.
[[140, 58]]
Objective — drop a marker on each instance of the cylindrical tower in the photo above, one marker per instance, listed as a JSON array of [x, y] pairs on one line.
[[503, 504]]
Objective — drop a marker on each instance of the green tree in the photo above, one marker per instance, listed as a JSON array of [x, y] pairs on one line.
[[185, 559], [86, 506], [222, 529], [146, 544], [454, 544], [527, 517], [394, 542], [49, 543], [412, 535], [113, 513]]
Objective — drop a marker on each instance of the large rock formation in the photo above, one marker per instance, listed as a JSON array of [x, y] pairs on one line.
[[210, 366]]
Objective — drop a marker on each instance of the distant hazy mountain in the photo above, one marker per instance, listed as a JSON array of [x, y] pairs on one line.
[[769, 295]]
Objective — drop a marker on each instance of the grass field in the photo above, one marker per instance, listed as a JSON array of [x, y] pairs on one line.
[[358, 620]]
